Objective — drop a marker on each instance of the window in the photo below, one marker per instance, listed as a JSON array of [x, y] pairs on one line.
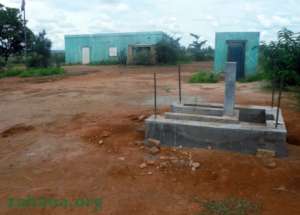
[[113, 52]]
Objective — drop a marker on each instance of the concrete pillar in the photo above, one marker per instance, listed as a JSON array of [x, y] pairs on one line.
[[230, 78]]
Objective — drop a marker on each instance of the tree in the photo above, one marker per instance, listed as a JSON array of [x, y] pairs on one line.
[[142, 56], [198, 50], [196, 47], [168, 51], [281, 58], [40, 51], [11, 32]]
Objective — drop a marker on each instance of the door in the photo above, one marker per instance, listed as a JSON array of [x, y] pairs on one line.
[[85, 55], [236, 53]]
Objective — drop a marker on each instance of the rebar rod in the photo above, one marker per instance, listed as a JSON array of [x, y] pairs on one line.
[[279, 101], [155, 104], [179, 82], [273, 92]]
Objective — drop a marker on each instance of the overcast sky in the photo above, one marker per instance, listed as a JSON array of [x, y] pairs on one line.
[[176, 17]]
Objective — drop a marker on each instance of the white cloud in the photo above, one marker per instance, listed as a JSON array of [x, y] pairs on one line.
[[273, 21], [264, 21], [177, 17], [250, 7], [277, 20]]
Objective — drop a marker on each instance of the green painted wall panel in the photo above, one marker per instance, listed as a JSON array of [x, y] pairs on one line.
[[251, 49], [99, 44]]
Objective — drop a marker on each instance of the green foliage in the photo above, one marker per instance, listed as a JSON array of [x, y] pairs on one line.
[[10, 73], [34, 72], [2, 64], [259, 76], [184, 59], [281, 58], [40, 52], [198, 50], [230, 206], [121, 59], [169, 51], [204, 77], [142, 57], [11, 32], [57, 58], [15, 59]]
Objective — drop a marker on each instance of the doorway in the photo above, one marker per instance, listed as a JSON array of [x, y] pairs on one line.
[[236, 53], [85, 55]]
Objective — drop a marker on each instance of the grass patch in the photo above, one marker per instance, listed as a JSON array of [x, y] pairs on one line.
[[259, 76], [10, 73], [42, 72], [204, 77], [230, 206], [34, 72]]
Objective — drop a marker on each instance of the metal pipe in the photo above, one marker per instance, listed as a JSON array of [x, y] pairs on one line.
[[279, 100], [155, 107], [179, 82]]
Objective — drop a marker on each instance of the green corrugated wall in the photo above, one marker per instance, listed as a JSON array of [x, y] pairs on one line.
[[251, 49], [99, 44]]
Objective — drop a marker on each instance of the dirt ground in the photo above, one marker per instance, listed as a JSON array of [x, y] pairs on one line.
[[50, 130]]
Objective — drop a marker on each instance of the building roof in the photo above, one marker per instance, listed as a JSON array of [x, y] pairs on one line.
[[238, 32], [116, 34]]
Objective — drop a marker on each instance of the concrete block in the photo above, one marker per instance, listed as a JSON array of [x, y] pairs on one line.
[[232, 137], [252, 128]]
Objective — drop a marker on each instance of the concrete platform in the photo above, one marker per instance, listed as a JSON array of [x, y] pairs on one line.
[[252, 129]]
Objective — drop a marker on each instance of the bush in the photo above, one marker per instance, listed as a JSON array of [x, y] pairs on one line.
[[281, 58], [58, 58], [142, 57], [42, 72], [204, 77], [40, 53], [34, 72], [2, 64], [36, 60], [169, 51], [10, 73], [259, 76], [198, 49]]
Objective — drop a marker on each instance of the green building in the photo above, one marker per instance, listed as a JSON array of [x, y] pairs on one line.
[[240, 47], [95, 48]]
